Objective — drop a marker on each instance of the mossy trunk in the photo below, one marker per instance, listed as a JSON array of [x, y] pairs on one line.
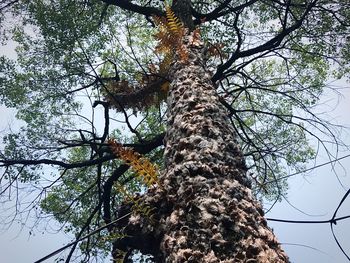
[[204, 210]]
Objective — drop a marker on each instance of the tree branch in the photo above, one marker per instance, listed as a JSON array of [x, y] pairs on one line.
[[127, 5], [269, 45], [217, 12]]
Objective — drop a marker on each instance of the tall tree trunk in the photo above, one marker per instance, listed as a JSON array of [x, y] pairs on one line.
[[204, 208]]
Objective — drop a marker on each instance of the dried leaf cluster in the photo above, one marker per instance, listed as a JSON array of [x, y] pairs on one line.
[[145, 170], [151, 90], [170, 35]]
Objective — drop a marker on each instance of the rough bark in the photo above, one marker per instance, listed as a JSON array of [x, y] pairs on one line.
[[204, 208]]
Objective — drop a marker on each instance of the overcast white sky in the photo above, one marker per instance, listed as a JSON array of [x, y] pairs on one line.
[[317, 194]]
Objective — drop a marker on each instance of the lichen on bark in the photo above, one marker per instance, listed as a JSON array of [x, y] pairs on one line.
[[204, 210]]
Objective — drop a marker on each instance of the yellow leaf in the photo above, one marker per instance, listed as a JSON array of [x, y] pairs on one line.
[[144, 169]]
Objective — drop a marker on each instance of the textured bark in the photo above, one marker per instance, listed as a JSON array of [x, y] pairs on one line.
[[204, 208]]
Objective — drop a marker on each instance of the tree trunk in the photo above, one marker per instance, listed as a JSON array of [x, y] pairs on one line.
[[204, 208]]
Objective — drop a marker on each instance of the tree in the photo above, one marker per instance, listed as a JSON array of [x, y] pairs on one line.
[[243, 72]]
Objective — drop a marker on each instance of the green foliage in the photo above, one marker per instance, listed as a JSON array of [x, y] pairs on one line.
[[72, 200]]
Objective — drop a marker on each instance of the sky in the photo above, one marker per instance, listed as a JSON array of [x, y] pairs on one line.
[[318, 195], [311, 197]]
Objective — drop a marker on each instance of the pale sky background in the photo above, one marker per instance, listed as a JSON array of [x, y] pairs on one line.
[[317, 194]]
